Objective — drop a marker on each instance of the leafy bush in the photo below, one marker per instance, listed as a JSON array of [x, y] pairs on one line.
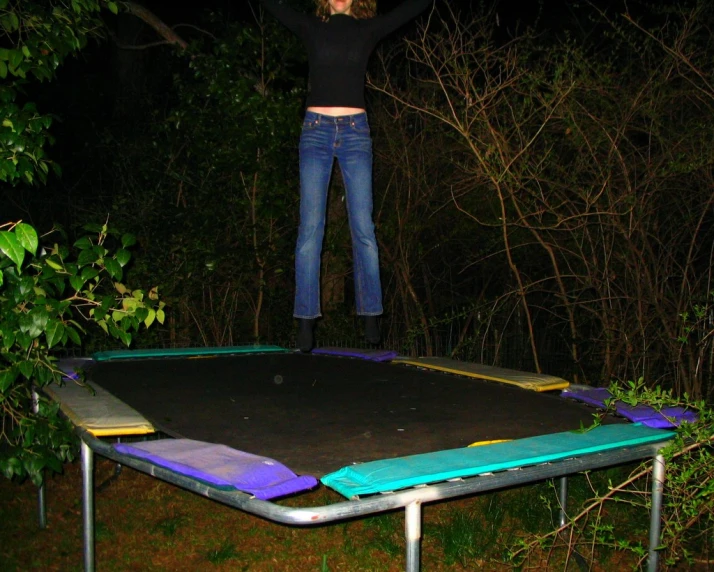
[[47, 296], [688, 505], [221, 165], [37, 37]]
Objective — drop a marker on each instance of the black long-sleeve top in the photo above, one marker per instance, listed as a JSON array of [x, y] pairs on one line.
[[339, 47]]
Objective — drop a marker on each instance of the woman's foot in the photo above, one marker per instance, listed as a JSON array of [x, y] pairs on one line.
[[305, 336], [371, 329]]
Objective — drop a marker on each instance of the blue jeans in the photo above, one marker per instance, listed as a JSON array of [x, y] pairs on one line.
[[323, 139]]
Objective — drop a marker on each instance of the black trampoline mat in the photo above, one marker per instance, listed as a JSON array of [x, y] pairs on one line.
[[317, 413]]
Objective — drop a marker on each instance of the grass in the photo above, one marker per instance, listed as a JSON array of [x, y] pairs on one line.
[[470, 535], [227, 551], [170, 525], [145, 524], [388, 531]]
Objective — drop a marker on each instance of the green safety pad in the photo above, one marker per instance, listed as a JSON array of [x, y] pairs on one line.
[[526, 380], [185, 352], [387, 475]]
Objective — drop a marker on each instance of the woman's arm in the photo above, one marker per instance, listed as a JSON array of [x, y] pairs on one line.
[[407, 10], [292, 19]]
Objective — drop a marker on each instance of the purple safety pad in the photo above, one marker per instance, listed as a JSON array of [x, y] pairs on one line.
[[665, 418], [70, 366], [372, 355], [221, 466]]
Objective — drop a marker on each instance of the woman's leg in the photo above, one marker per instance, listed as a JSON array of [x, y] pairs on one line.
[[316, 159], [354, 153]]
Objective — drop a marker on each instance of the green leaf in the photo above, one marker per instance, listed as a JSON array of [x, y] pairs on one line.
[[73, 335], [8, 339], [128, 240], [54, 332], [150, 317], [92, 227], [24, 340], [52, 264], [76, 282], [10, 22], [113, 268], [7, 377], [27, 237], [40, 318], [140, 315], [83, 243], [113, 8], [123, 256], [103, 324], [26, 368], [16, 58], [11, 248], [88, 273], [125, 337], [3, 70], [43, 375], [11, 467], [87, 257]]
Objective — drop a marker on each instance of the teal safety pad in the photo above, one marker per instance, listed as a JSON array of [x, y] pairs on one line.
[[185, 352], [403, 472]]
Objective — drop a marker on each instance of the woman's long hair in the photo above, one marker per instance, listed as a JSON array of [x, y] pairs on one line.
[[360, 8]]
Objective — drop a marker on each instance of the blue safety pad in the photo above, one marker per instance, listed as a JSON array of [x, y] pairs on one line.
[[403, 472], [185, 352]]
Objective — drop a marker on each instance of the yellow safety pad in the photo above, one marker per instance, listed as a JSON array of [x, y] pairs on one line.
[[97, 410], [532, 381], [491, 442]]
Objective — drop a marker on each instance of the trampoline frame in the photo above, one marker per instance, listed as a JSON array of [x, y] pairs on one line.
[[410, 499]]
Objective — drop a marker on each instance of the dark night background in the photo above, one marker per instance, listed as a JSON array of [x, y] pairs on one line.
[[109, 83], [118, 149]]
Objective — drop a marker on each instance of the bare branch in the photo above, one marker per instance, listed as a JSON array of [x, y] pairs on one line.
[[166, 32]]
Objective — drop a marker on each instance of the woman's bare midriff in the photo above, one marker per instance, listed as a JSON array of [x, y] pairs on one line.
[[336, 111]]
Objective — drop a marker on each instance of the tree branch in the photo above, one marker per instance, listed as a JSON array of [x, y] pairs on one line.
[[169, 35]]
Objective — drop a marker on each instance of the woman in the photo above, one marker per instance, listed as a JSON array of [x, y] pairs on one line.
[[339, 40]]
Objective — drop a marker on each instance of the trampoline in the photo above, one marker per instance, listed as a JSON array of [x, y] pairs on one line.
[[245, 426]]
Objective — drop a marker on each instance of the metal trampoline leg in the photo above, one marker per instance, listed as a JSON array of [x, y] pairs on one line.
[[41, 506], [88, 506], [412, 528], [563, 499], [41, 499], [656, 511]]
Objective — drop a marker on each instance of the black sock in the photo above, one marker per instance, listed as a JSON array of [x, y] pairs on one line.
[[305, 337], [371, 329]]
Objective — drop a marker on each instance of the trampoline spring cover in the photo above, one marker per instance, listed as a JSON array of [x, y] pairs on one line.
[[666, 418], [221, 466], [388, 475]]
